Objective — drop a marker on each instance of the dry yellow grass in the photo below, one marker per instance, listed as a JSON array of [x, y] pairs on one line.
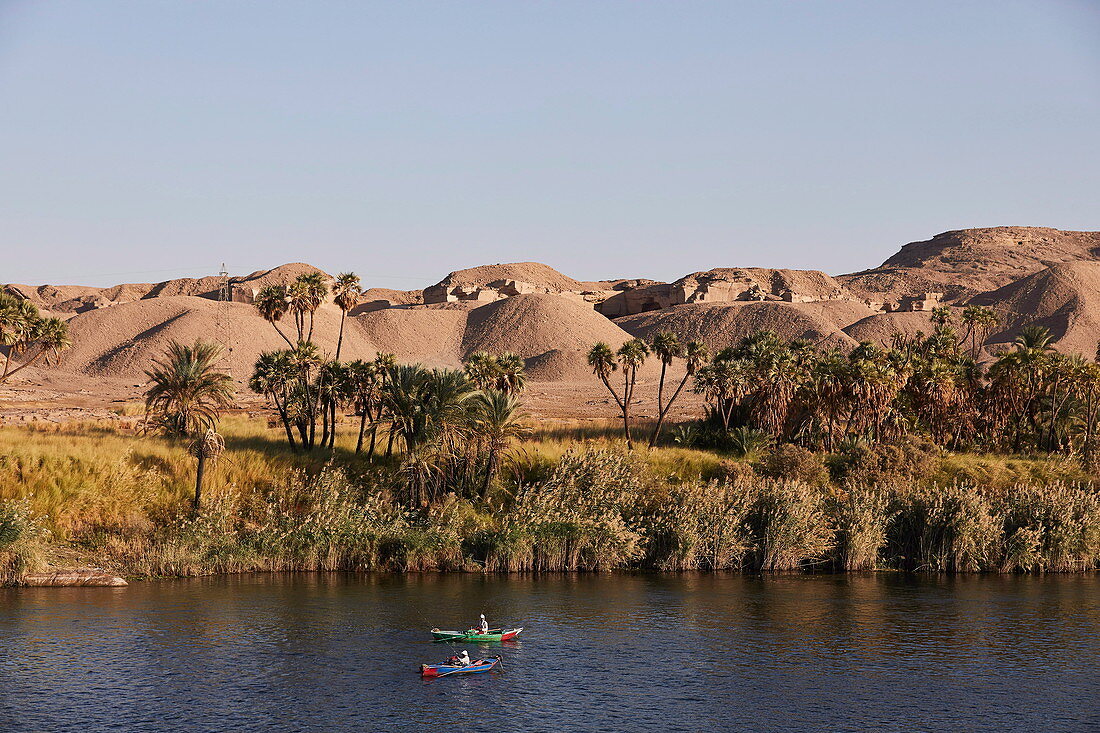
[[84, 475]]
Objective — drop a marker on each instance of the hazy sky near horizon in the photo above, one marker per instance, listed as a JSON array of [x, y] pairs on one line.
[[141, 141]]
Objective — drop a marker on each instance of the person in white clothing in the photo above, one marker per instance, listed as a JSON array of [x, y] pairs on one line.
[[464, 658], [483, 627]]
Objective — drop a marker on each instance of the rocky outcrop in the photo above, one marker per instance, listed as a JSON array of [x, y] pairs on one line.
[[85, 577], [728, 285]]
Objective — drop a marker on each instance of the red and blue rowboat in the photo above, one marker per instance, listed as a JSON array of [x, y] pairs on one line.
[[475, 667]]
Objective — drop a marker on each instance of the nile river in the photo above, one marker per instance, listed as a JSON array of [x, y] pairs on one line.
[[600, 653]]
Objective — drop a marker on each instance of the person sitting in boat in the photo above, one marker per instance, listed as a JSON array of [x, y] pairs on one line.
[[464, 658], [483, 626]]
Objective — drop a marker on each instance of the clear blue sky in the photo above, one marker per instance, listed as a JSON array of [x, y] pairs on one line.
[[145, 140]]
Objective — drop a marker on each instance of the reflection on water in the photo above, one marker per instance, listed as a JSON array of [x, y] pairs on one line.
[[601, 652]]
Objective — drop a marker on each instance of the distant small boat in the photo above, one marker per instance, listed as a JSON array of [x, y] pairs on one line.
[[474, 635], [475, 667]]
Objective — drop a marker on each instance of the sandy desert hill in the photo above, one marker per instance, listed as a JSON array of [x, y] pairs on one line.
[[965, 262], [1028, 275], [1064, 298]]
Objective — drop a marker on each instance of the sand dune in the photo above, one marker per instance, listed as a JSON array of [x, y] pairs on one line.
[[719, 325], [122, 341], [1064, 298]]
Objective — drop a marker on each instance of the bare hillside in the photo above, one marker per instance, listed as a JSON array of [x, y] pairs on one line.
[[964, 262]]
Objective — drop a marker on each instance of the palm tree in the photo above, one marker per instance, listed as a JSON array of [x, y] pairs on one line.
[[941, 316], [332, 391], [272, 301], [602, 361], [695, 355], [512, 375], [307, 293], [980, 322], [346, 292], [383, 364], [187, 394], [363, 380], [206, 449], [1034, 338], [24, 331], [666, 347], [632, 356], [483, 369], [497, 419], [306, 358], [428, 411], [273, 376]]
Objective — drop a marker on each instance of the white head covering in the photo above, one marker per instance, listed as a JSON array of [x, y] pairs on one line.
[[483, 615]]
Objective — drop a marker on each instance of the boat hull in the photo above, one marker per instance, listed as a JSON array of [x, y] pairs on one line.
[[472, 635]]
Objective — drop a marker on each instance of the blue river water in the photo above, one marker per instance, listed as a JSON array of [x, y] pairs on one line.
[[336, 652]]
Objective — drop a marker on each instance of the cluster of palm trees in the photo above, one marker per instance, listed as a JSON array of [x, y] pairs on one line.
[[27, 337], [304, 384], [629, 358], [453, 426], [453, 433], [1030, 397]]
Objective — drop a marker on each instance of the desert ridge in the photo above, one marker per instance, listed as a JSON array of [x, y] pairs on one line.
[[1028, 276]]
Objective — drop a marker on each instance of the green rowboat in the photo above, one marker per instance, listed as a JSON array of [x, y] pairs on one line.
[[473, 635]]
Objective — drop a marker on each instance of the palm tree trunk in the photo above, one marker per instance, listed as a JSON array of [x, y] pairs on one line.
[[626, 408], [285, 418], [196, 503], [280, 332], [21, 367], [373, 439], [661, 413], [661, 388], [490, 469], [340, 339], [362, 430], [330, 414]]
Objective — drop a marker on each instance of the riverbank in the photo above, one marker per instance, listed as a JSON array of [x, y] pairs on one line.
[[570, 499]]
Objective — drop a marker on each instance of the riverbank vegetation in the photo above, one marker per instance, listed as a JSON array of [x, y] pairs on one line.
[[912, 458], [567, 498], [765, 391]]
